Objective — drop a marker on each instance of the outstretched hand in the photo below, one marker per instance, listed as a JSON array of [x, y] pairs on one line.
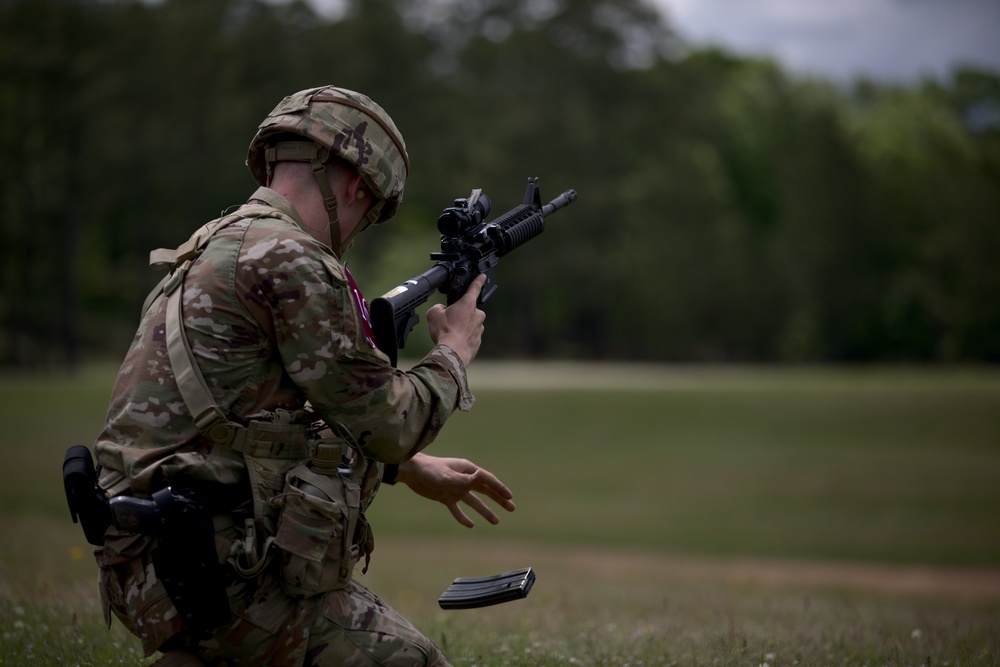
[[450, 481]]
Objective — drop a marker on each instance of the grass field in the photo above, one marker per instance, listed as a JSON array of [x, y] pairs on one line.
[[690, 516]]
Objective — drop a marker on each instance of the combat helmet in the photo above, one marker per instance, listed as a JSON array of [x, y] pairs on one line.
[[339, 122]]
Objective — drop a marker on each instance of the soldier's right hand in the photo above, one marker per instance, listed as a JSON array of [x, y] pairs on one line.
[[460, 325]]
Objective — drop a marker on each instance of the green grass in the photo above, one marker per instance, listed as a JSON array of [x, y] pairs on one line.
[[674, 516], [898, 467], [42, 416]]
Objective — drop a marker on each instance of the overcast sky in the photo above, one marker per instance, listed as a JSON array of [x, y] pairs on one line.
[[897, 40], [884, 39]]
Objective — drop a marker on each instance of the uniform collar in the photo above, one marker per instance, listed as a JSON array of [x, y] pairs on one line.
[[274, 200]]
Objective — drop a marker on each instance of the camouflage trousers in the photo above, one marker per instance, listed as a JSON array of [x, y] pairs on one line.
[[351, 626]]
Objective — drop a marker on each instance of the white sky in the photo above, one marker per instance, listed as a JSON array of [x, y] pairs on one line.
[[885, 39], [841, 39]]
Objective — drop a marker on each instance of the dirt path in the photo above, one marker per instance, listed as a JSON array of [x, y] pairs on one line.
[[969, 584], [965, 584]]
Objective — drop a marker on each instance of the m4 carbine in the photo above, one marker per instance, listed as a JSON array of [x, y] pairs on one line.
[[469, 246]]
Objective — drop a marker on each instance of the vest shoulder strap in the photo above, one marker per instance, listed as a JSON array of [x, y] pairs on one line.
[[208, 418]]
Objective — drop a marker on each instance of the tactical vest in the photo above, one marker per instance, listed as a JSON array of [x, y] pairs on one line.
[[306, 503]]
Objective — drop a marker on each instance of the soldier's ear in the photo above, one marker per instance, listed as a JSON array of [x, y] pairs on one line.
[[356, 188]]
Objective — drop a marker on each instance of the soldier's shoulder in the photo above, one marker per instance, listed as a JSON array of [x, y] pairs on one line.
[[279, 242], [271, 222]]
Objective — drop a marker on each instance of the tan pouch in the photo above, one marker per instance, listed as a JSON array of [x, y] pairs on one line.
[[274, 443], [316, 526]]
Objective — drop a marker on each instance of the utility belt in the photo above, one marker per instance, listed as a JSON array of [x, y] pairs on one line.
[[306, 496], [307, 513], [310, 528]]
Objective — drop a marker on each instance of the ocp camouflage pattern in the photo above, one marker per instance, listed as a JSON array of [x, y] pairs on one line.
[[350, 626], [273, 325], [352, 126]]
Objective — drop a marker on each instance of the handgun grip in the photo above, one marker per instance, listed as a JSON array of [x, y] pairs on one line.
[[135, 515]]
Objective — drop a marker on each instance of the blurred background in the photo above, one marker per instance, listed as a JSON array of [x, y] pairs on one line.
[[768, 181], [784, 253]]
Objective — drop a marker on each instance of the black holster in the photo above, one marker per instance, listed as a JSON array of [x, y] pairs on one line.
[[184, 556], [87, 505]]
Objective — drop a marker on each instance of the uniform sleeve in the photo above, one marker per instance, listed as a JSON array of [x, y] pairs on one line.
[[297, 289]]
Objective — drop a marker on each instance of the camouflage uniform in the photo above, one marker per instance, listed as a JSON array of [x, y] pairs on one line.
[[275, 323]]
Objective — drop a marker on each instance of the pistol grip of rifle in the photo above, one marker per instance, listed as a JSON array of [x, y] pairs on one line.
[[489, 286], [485, 293]]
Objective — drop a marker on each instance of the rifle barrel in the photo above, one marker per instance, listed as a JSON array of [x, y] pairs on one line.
[[565, 199]]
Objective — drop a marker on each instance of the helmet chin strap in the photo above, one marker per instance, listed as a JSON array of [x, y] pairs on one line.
[[329, 199], [370, 218], [316, 156]]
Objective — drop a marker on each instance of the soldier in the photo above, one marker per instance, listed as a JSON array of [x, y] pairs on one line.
[[254, 387]]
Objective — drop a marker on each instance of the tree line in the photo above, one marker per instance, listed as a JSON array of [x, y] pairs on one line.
[[728, 210]]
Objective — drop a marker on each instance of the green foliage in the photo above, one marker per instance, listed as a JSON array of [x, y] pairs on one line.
[[728, 211]]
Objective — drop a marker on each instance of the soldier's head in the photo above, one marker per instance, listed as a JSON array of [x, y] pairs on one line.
[[335, 130]]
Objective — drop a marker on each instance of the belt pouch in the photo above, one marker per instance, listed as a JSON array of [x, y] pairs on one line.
[[316, 526]]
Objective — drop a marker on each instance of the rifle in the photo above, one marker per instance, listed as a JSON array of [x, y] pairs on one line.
[[469, 246]]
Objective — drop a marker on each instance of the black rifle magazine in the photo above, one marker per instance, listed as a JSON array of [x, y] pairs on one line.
[[472, 592]]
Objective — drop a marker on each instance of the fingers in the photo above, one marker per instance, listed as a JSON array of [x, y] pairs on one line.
[[476, 503], [486, 482], [452, 481], [460, 326], [473, 501], [460, 516], [475, 288], [471, 294], [483, 481]]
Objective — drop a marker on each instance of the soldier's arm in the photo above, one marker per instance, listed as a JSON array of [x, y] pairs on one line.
[[320, 337]]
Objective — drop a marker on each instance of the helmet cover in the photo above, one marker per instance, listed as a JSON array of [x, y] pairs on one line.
[[348, 124]]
